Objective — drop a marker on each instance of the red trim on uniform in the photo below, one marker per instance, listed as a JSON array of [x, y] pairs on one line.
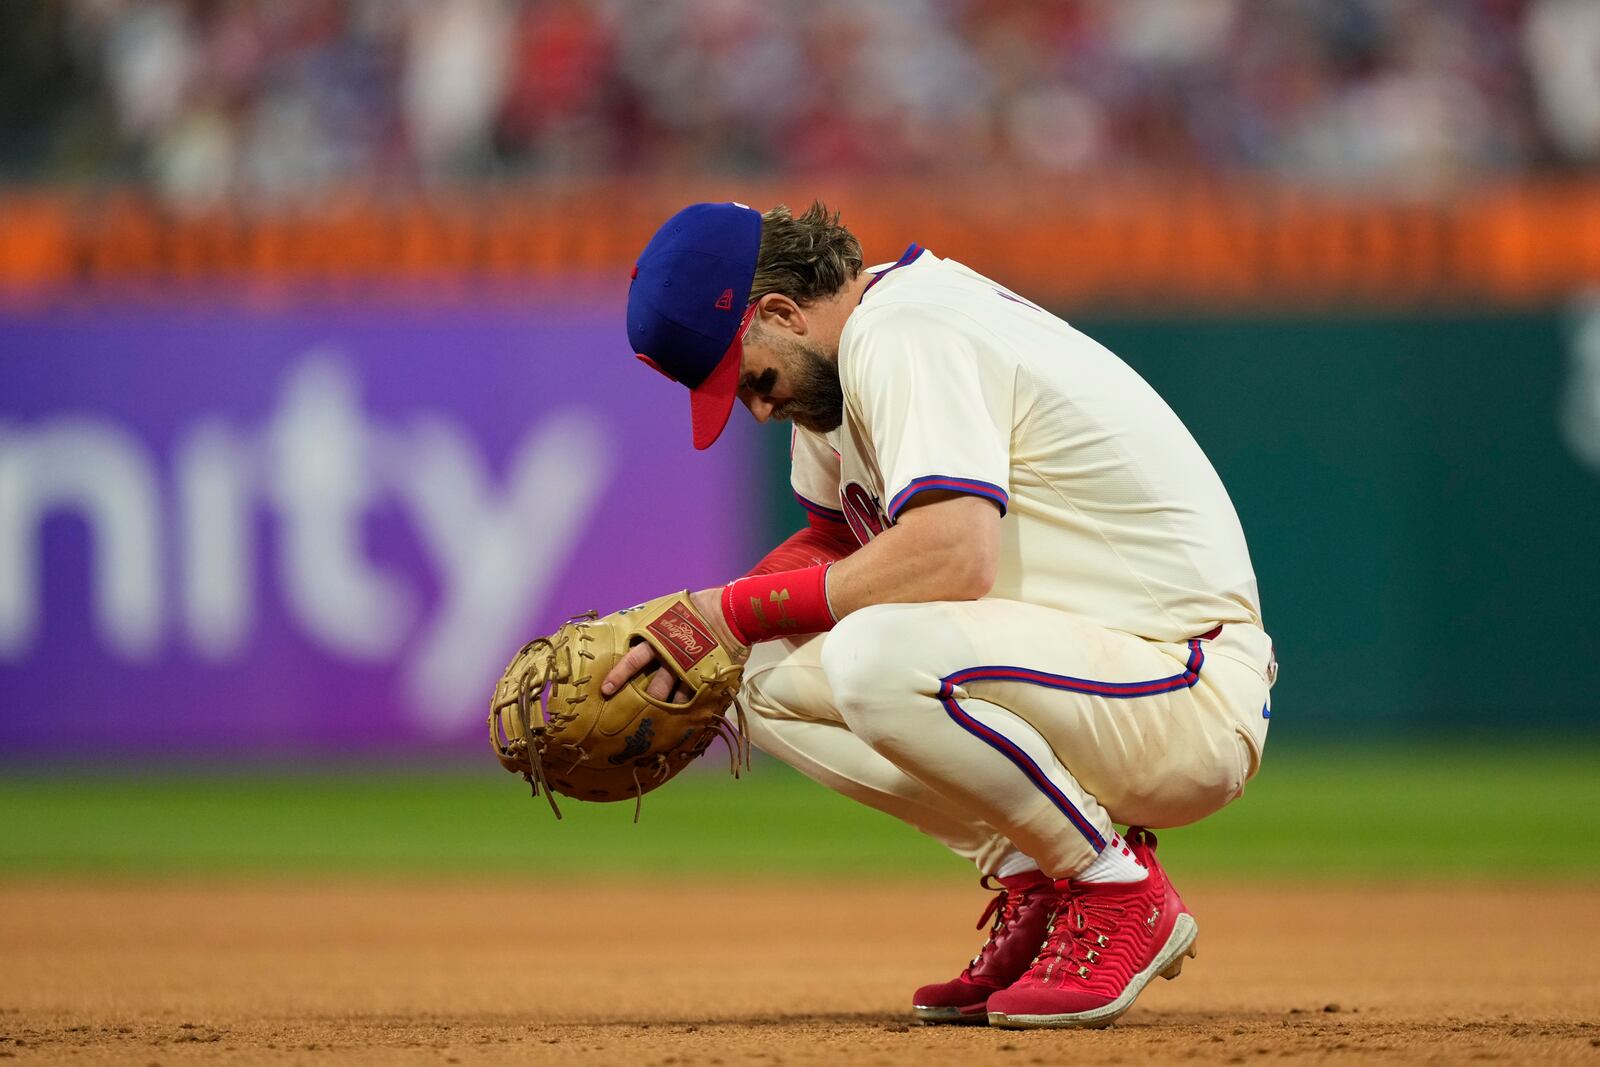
[[970, 486], [910, 255], [1024, 762], [820, 511], [1118, 690]]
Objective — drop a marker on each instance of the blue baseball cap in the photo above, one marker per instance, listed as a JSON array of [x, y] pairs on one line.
[[687, 306]]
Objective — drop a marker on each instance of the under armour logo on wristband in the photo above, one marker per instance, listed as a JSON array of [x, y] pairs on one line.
[[758, 608], [785, 620]]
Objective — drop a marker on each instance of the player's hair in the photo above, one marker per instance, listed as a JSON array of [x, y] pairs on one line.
[[806, 258]]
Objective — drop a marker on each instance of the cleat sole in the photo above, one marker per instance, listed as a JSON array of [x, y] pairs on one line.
[[1168, 964], [971, 1015], [1177, 965]]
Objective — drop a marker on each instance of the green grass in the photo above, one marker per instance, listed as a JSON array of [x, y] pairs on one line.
[[1393, 813]]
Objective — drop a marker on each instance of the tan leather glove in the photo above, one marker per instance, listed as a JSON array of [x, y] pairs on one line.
[[549, 721]]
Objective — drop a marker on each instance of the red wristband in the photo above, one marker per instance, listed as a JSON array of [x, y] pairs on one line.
[[785, 604]]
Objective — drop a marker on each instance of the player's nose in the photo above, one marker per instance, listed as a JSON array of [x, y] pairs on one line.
[[761, 407]]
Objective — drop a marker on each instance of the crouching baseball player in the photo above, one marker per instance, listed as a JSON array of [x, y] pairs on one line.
[[1022, 611]]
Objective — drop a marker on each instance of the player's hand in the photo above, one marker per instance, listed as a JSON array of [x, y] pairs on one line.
[[708, 602]]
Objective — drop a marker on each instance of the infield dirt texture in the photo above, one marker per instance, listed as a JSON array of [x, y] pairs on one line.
[[684, 973], [1369, 907]]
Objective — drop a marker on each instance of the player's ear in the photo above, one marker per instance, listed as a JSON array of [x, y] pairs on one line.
[[782, 313]]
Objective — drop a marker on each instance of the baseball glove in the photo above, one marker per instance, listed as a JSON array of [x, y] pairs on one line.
[[549, 721]]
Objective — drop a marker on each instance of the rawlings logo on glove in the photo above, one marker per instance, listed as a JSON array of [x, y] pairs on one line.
[[550, 722], [684, 636]]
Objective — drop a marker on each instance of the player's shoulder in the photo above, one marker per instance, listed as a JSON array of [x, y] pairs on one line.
[[915, 300], [941, 293], [881, 339], [924, 309]]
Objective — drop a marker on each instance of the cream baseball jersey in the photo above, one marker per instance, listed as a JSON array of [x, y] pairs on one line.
[[1112, 512]]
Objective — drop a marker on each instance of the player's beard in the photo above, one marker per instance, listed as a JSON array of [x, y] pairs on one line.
[[817, 399]]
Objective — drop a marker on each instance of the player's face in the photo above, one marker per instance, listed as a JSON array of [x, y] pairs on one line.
[[783, 377]]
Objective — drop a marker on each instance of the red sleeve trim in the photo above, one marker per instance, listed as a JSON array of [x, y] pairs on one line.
[[971, 486]]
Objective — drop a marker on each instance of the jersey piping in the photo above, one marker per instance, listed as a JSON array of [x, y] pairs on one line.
[[910, 255], [970, 486]]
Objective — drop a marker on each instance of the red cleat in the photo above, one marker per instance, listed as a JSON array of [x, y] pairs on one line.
[[1021, 908], [1103, 947]]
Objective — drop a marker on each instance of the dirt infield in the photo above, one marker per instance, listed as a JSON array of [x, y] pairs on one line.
[[760, 975]]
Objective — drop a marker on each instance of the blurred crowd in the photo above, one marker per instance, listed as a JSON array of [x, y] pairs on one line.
[[211, 99]]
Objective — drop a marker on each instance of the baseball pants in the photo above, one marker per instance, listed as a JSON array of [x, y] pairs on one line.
[[994, 724]]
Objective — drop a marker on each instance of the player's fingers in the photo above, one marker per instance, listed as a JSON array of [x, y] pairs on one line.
[[681, 693], [637, 658], [661, 684]]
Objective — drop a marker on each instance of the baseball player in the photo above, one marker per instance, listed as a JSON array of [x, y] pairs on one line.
[[1022, 611]]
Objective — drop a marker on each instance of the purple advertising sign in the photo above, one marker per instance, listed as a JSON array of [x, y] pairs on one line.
[[303, 529]]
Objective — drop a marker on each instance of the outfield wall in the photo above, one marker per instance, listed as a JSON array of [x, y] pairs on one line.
[[1422, 501], [315, 527], [338, 520]]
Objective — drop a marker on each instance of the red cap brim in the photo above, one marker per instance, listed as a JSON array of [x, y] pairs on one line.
[[711, 402]]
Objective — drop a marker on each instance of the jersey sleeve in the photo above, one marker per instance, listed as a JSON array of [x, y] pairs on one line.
[[937, 409], [814, 475]]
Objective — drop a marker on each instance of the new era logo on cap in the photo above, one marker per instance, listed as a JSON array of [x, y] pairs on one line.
[[725, 301]]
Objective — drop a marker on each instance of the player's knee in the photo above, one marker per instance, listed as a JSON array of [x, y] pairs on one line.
[[876, 667]]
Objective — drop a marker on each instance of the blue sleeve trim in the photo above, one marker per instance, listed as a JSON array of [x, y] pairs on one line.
[[955, 485], [831, 514]]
